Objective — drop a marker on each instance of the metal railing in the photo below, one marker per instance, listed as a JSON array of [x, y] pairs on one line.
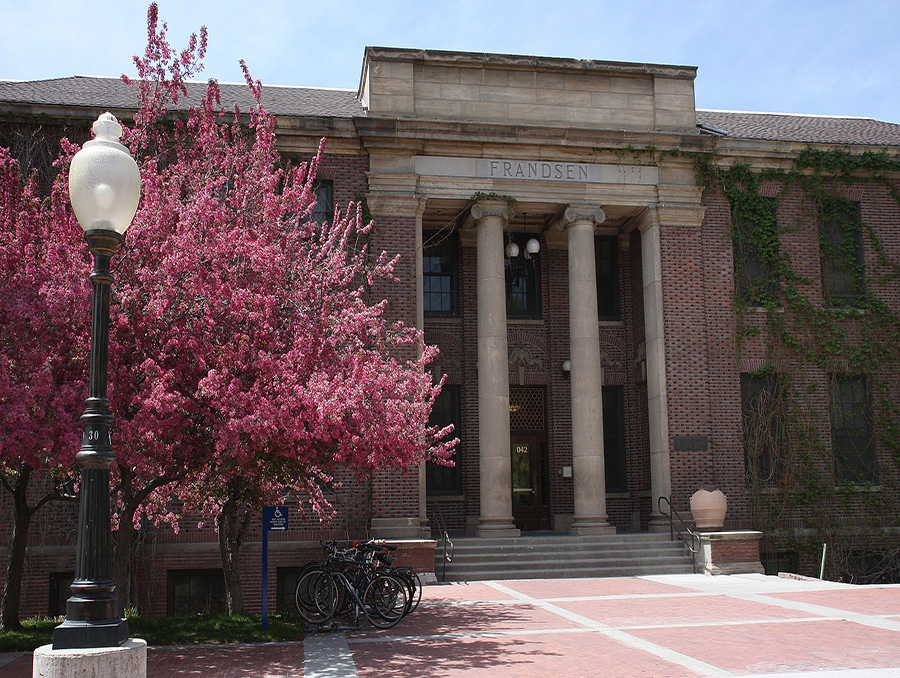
[[445, 540], [684, 529]]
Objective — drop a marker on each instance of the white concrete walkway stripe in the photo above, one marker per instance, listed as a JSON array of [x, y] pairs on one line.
[[328, 656], [572, 599], [462, 636], [839, 673], [824, 611], [613, 633]]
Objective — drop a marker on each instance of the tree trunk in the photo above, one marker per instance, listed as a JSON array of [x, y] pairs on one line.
[[123, 555], [125, 546], [15, 569], [231, 528]]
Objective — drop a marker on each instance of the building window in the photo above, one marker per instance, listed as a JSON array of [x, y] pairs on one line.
[[614, 438], [765, 434], [440, 273], [840, 239], [285, 584], [780, 561], [756, 254], [445, 480], [195, 592], [323, 212], [523, 281], [527, 409], [606, 258], [851, 432], [863, 566]]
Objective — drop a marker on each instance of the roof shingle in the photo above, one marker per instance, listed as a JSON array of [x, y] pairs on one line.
[[95, 92], [803, 129]]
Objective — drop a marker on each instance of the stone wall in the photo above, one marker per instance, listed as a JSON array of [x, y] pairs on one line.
[[435, 85]]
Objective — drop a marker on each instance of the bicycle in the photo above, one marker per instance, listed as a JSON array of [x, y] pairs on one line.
[[351, 585]]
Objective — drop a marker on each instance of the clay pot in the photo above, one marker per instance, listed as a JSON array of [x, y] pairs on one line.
[[709, 508]]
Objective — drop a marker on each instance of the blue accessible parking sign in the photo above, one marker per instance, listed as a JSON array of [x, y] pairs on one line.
[[275, 519]]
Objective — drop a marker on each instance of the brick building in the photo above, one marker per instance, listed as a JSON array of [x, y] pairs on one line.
[[632, 299]]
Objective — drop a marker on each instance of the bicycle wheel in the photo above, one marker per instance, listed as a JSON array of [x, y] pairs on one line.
[[352, 615], [316, 596], [385, 599], [302, 590], [413, 583]]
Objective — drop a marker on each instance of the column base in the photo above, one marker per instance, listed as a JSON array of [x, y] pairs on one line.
[[658, 523], [129, 660], [497, 527], [399, 528]]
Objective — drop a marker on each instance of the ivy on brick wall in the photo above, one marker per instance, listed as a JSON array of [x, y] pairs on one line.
[[819, 344]]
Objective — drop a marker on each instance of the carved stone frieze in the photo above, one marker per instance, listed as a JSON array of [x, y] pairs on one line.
[[610, 361], [519, 355]]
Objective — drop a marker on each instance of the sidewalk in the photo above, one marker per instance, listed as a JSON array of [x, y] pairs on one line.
[[670, 626]]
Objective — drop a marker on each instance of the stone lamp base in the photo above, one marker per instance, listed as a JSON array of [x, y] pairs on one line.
[[129, 660]]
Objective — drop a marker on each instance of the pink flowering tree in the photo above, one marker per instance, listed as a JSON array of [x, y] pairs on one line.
[[44, 320], [247, 356]]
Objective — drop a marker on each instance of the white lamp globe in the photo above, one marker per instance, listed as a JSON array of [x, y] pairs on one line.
[[512, 250], [104, 181], [533, 246]]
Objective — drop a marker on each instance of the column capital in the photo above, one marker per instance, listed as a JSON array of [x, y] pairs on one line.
[[574, 214], [498, 209]]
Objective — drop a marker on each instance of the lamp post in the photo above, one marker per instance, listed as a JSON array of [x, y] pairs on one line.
[[104, 186]]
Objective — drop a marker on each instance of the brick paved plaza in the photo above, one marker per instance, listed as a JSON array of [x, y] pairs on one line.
[[682, 626]]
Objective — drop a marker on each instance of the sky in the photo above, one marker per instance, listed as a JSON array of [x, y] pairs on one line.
[[823, 57]]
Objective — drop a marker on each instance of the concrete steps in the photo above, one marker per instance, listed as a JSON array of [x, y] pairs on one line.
[[550, 556]]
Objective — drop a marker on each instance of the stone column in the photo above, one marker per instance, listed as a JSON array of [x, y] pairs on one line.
[[493, 374], [588, 464], [658, 412]]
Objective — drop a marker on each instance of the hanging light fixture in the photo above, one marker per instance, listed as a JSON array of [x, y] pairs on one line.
[[512, 250], [533, 246]]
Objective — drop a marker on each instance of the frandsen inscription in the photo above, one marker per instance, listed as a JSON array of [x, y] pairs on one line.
[[531, 169], [536, 170]]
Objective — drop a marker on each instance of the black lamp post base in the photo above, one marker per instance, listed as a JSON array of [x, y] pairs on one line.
[[78, 634]]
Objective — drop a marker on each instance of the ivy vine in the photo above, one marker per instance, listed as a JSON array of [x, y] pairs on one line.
[[850, 329]]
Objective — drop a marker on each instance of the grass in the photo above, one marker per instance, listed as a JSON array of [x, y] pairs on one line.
[[201, 628]]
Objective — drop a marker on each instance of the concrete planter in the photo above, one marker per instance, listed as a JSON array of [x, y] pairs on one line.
[[708, 508]]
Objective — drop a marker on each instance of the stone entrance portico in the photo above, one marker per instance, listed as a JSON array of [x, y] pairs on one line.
[[484, 150]]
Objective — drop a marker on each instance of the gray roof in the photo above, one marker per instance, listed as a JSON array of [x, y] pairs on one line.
[[97, 92], [94, 92], [802, 129]]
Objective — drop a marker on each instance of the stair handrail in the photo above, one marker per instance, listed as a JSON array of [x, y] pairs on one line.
[[445, 540], [685, 530]]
